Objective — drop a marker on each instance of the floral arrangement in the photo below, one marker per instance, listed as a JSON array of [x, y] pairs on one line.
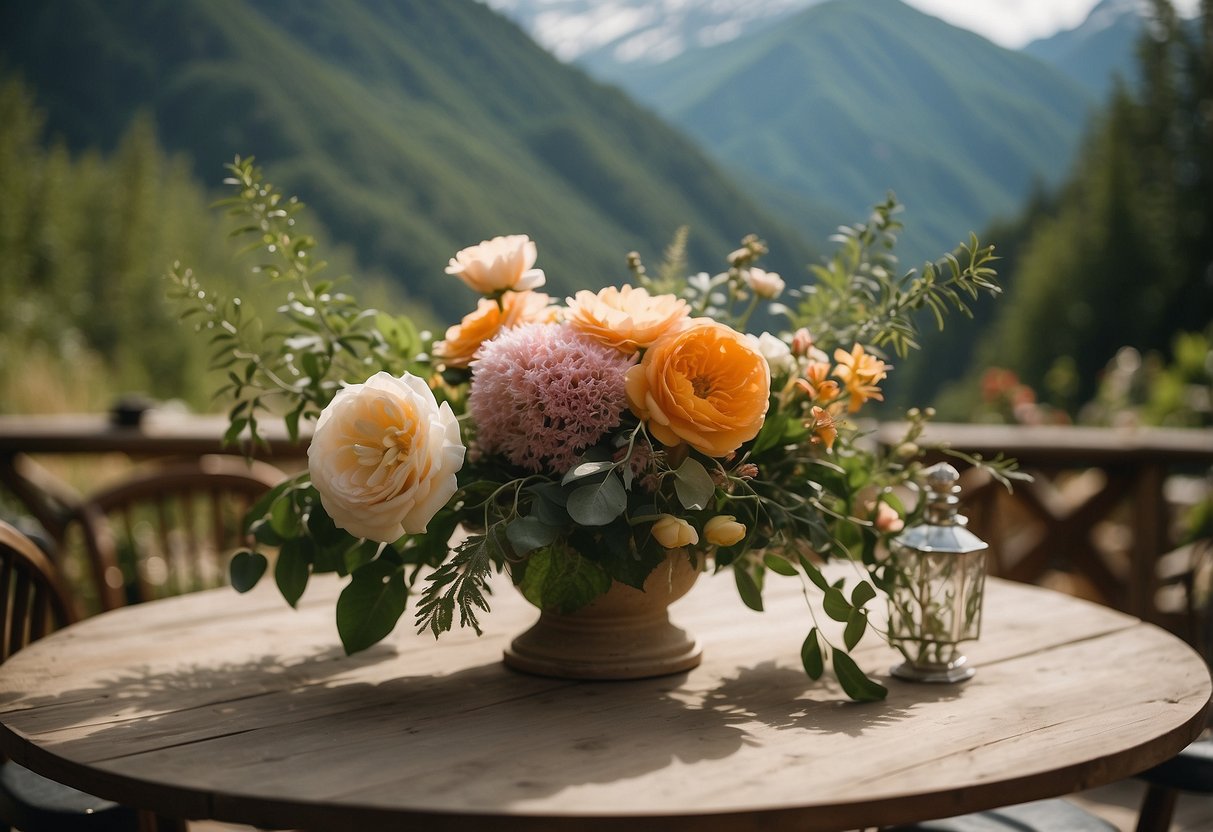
[[577, 443]]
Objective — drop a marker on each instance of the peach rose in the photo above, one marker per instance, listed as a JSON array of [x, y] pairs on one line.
[[384, 457], [723, 530], [706, 386], [626, 318], [674, 532], [490, 317], [498, 265]]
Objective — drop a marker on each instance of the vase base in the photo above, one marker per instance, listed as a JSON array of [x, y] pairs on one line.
[[942, 674], [553, 648]]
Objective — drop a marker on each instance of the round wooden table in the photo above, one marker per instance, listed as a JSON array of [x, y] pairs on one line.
[[238, 708]]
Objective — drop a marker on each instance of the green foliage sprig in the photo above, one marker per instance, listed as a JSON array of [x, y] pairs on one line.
[[325, 338]]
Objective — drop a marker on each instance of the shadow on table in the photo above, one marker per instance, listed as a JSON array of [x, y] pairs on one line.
[[338, 720], [783, 697]]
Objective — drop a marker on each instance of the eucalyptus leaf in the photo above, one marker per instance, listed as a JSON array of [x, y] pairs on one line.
[[855, 683], [529, 533], [599, 503], [693, 484], [370, 605], [246, 570], [586, 469]]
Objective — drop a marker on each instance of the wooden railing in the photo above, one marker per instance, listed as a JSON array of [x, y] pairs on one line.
[[1099, 519]]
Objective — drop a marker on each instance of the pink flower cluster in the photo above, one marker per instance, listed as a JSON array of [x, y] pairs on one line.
[[543, 393]]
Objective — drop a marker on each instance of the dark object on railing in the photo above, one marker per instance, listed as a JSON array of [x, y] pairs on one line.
[[128, 410]]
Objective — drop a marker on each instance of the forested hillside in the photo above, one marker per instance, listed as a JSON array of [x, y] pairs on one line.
[[85, 241], [1124, 254], [411, 128]]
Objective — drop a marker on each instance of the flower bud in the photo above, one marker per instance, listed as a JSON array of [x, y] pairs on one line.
[[674, 532], [724, 530]]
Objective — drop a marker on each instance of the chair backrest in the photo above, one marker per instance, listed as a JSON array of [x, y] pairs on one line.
[[32, 600], [172, 528]]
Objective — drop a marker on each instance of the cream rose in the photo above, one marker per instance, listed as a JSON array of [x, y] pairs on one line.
[[497, 265], [384, 457], [706, 386], [774, 349], [674, 532]]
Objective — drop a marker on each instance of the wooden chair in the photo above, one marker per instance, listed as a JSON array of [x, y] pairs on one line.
[[171, 528], [32, 603]]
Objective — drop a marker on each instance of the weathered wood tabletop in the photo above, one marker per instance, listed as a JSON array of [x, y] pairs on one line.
[[241, 709]]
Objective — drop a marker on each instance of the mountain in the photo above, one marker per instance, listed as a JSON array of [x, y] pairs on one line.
[[1099, 49], [412, 128], [606, 38], [853, 97]]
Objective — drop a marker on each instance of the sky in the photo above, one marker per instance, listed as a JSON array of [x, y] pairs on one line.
[[1013, 23]]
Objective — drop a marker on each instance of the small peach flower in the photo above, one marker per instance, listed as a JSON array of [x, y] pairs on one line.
[[815, 383], [384, 457], [674, 532], [887, 519], [498, 265], [825, 431], [765, 284], [860, 371], [489, 318], [706, 386], [626, 318], [723, 530]]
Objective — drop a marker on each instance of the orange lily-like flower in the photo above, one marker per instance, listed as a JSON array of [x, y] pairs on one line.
[[860, 372], [824, 429], [816, 384]]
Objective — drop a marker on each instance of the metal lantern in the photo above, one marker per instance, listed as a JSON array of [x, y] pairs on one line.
[[939, 571]]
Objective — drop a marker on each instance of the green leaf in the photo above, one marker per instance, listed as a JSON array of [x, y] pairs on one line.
[[460, 581], [771, 433], [285, 519], [598, 504], [750, 594], [292, 569], [246, 569], [693, 485], [855, 682], [529, 533], [818, 579], [810, 655], [370, 605], [862, 593], [777, 564], [857, 624], [835, 604]]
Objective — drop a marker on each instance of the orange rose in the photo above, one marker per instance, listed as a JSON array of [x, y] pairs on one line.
[[706, 386], [516, 308], [627, 318]]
